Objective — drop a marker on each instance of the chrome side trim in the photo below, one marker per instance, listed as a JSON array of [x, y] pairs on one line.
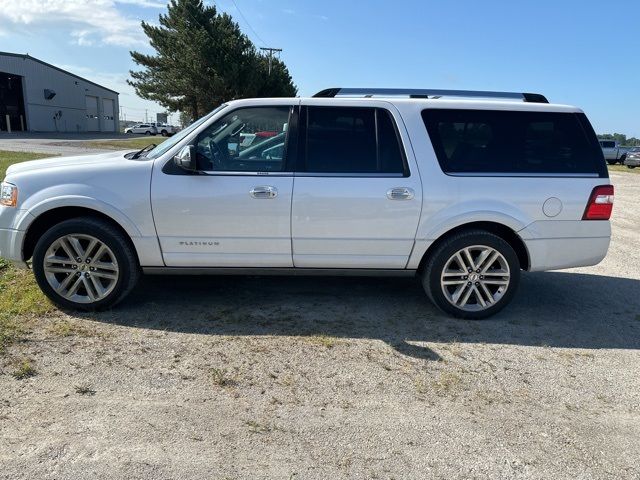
[[359, 272], [351, 175], [212, 173]]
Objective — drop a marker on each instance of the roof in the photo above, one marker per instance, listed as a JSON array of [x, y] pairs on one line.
[[406, 102], [26, 56]]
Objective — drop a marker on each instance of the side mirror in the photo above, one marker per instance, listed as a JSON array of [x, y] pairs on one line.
[[186, 158]]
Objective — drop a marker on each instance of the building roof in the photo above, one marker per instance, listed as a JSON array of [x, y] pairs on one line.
[[26, 56]]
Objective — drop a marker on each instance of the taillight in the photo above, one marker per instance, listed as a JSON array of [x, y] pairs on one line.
[[600, 203]]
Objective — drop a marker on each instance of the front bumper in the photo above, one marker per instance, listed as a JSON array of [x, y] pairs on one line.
[[11, 246]]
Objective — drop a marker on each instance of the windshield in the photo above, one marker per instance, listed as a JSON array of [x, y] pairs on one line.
[[169, 143]]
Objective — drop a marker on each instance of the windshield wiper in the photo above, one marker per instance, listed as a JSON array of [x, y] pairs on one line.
[[139, 153]]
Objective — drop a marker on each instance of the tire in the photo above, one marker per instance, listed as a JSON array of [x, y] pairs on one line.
[[164, 133], [115, 272], [610, 162], [147, 132], [631, 166], [494, 293]]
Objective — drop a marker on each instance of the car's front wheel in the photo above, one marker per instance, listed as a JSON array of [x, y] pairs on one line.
[[472, 274], [85, 264]]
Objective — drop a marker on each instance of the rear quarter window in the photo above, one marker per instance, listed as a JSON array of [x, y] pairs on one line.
[[512, 142]]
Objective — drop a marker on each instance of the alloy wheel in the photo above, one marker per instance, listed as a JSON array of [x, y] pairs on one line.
[[475, 278], [81, 268]]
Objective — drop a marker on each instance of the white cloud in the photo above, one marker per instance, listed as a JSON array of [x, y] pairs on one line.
[[90, 21], [143, 3]]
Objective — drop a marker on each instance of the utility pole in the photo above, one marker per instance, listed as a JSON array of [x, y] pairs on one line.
[[270, 50]]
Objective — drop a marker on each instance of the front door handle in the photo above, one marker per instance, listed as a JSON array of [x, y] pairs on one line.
[[264, 191], [400, 193]]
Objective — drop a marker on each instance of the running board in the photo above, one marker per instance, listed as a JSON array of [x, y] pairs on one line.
[[358, 272]]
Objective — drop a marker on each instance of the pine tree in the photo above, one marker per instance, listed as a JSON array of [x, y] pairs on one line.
[[202, 60]]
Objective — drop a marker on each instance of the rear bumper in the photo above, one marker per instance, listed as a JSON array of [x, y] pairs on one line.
[[632, 162], [11, 246], [554, 245]]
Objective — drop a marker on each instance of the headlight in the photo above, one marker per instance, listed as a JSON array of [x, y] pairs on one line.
[[8, 195]]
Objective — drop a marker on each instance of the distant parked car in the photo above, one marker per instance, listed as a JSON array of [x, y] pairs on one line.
[[613, 152], [142, 128], [632, 159], [165, 129]]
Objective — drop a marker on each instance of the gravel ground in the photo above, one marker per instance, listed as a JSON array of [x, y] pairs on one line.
[[338, 378]]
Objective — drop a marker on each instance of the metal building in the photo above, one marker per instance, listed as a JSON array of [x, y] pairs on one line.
[[38, 97]]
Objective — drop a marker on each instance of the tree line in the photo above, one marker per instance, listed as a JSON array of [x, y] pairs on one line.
[[621, 138], [203, 59]]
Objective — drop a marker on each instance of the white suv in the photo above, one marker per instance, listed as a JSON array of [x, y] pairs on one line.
[[142, 128], [461, 189]]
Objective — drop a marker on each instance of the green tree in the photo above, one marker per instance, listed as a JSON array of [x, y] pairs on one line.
[[202, 60]]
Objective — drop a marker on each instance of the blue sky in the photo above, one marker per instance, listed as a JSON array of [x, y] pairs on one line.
[[584, 53]]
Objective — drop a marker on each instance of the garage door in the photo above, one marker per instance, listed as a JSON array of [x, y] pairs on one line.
[[93, 121], [108, 120]]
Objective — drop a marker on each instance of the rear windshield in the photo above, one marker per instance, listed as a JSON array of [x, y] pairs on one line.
[[605, 144], [517, 143]]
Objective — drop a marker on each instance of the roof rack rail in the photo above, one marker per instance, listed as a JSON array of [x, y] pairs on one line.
[[429, 93]]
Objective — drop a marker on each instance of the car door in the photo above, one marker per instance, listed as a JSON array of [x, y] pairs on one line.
[[236, 210], [357, 192]]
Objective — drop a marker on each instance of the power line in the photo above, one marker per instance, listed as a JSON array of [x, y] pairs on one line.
[[247, 22]]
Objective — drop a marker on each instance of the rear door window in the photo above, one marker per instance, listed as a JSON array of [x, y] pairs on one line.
[[510, 142], [351, 140]]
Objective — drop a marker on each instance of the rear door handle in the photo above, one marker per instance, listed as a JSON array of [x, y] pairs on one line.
[[264, 191], [400, 193]]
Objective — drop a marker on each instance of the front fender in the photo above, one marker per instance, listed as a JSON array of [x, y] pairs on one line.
[[78, 201]]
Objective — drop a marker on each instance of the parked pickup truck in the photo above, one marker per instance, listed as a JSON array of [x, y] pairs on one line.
[[613, 152], [165, 129]]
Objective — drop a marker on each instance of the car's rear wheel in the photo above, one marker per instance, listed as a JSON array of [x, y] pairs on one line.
[[164, 133], [85, 264], [147, 132], [631, 166], [473, 274]]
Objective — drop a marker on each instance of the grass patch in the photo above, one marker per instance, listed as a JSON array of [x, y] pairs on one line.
[[135, 143], [221, 378], [448, 383], [19, 293], [64, 328], [325, 341], [255, 427], [623, 168], [9, 158], [85, 390], [20, 297], [24, 370]]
